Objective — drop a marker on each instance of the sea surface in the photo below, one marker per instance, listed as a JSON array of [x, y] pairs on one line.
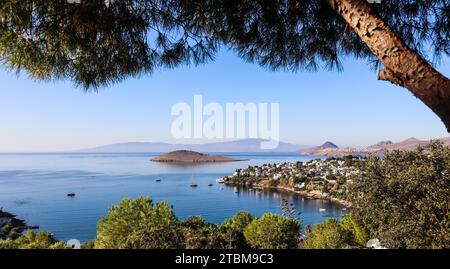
[[35, 187]]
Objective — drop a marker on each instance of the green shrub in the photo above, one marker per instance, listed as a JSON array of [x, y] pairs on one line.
[[358, 234], [273, 231], [8, 244], [138, 224], [41, 240], [199, 234], [238, 222], [328, 235], [403, 199], [233, 230]]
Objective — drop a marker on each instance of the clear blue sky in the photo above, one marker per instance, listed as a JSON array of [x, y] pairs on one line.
[[348, 108]]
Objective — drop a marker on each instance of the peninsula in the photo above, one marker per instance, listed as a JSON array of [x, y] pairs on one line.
[[188, 156], [326, 179]]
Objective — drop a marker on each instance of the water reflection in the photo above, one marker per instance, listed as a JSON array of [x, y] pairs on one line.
[[297, 201]]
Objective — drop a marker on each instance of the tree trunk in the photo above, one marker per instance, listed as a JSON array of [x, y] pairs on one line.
[[402, 65]]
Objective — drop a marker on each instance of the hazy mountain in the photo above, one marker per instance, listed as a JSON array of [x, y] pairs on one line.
[[327, 145], [320, 150], [445, 140], [253, 145], [132, 147], [381, 144], [246, 145], [408, 144], [330, 149]]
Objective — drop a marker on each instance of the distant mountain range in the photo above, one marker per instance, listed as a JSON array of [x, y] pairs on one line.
[[381, 144], [253, 145], [330, 149], [245, 145], [408, 144]]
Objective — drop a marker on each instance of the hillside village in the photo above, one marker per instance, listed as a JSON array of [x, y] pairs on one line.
[[315, 179]]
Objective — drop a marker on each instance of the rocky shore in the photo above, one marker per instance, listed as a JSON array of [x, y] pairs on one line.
[[313, 195], [10, 226], [317, 195]]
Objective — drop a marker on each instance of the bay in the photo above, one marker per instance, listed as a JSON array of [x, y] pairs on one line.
[[34, 186]]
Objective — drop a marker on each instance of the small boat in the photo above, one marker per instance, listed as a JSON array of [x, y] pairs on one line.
[[158, 180], [220, 180], [72, 194], [33, 227], [193, 184], [344, 209], [322, 210], [210, 185]]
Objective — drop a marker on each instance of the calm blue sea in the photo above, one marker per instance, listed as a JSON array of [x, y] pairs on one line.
[[35, 187]]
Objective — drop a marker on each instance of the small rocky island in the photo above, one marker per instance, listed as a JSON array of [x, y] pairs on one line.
[[188, 156]]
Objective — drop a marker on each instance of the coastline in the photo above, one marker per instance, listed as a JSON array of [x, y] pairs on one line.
[[10, 225], [313, 195]]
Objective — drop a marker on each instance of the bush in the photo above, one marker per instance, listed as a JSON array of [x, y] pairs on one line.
[[8, 244], [357, 232], [138, 224], [199, 234], [272, 231], [403, 199], [233, 230], [328, 235], [41, 240], [238, 222]]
